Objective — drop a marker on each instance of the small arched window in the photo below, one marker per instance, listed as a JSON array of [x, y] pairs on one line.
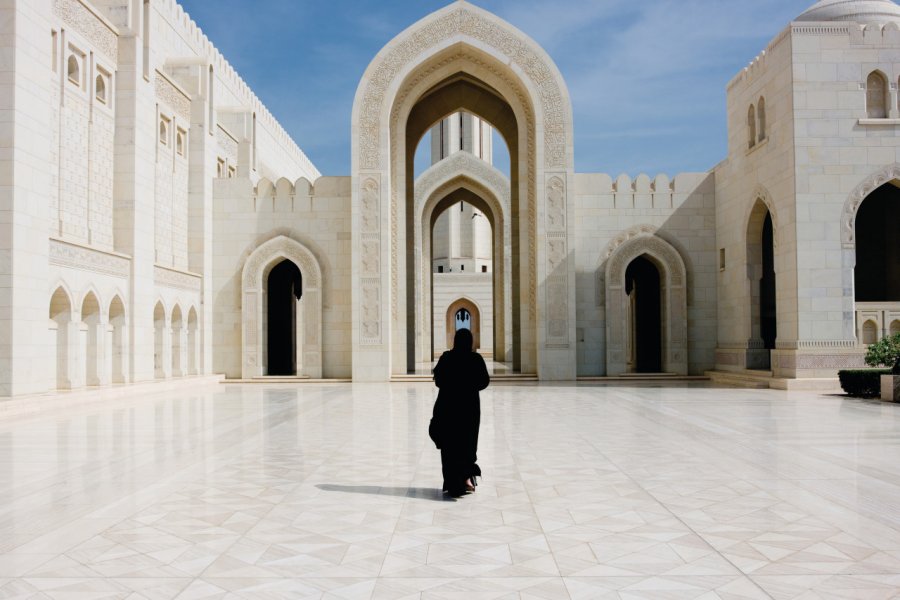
[[870, 333], [761, 118], [74, 70], [179, 142], [876, 96], [100, 89], [751, 126], [164, 131]]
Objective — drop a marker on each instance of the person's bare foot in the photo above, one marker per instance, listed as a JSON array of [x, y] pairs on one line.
[[470, 487]]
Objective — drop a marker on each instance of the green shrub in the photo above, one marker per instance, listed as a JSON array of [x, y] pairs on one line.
[[862, 383], [885, 352]]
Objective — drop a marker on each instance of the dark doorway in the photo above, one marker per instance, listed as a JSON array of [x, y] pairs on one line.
[[877, 273], [768, 312], [284, 288], [642, 284]]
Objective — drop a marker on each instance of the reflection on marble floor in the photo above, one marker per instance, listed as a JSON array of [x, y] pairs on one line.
[[331, 491]]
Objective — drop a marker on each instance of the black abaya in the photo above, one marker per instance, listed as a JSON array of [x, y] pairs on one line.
[[460, 375]]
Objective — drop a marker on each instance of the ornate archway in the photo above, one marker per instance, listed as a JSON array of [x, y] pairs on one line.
[[463, 304], [673, 280], [254, 276], [462, 58], [463, 171]]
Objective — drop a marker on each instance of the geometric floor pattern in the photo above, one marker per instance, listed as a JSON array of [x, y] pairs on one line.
[[633, 492]]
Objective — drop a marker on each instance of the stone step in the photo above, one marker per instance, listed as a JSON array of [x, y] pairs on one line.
[[505, 378]]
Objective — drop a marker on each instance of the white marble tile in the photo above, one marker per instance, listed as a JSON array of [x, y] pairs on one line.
[[332, 492]]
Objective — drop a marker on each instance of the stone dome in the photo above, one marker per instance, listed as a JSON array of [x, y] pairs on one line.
[[861, 11]]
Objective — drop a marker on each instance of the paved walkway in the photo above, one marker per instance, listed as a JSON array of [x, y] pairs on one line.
[[640, 492]]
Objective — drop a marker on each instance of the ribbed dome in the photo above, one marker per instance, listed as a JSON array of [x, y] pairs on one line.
[[861, 11]]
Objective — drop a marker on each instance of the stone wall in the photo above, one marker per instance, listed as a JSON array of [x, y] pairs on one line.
[[681, 212], [318, 217]]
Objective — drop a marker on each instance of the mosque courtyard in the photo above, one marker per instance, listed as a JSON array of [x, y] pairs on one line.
[[640, 491]]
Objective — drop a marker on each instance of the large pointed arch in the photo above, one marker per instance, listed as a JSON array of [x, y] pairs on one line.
[[253, 279], [462, 171], [462, 58]]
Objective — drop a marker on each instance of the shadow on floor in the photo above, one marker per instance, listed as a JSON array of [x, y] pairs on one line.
[[401, 492]]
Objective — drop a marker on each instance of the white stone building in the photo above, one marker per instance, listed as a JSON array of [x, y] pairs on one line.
[[157, 222]]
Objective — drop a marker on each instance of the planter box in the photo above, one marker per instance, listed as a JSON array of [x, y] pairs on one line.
[[890, 388]]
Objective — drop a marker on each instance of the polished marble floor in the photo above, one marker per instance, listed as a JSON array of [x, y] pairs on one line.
[[329, 491]]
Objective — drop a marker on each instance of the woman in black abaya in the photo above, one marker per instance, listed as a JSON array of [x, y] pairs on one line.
[[460, 374]]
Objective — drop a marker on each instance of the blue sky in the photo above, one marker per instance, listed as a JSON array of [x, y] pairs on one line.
[[647, 77]]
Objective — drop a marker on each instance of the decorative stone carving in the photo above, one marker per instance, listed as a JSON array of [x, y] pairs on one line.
[[370, 256], [556, 205], [167, 93], [227, 144], [371, 313], [463, 21], [177, 279], [370, 262], [369, 206], [860, 193], [462, 163], [282, 247], [83, 20], [73, 256], [809, 362]]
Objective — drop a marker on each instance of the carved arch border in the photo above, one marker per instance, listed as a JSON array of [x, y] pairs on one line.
[[762, 194], [406, 62], [637, 242], [253, 276], [856, 198], [493, 188]]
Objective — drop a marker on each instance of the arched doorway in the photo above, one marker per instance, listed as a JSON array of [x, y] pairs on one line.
[[266, 276], [462, 314], [763, 297], [458, 60], [638, 263], [60, 325], [877, 272], [644, 289], [284, 291], [464, 180]]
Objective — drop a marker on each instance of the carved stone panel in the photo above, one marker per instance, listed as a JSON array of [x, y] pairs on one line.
[[83, 20]]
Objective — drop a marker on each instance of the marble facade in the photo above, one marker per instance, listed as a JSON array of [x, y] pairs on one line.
[[148, 193]]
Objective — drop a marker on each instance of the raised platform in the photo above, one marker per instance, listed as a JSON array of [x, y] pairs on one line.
[[495, 378], [285, 380], [766, 380]]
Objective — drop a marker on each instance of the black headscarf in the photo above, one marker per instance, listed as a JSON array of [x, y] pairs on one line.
[[463, 341]]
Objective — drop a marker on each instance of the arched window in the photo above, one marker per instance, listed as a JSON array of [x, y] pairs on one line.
[[179, 142], [761, 118], [463, 319], [751, 126], [164, 131], [870, 333], [74, 70], [100, 89], [876, 96]]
